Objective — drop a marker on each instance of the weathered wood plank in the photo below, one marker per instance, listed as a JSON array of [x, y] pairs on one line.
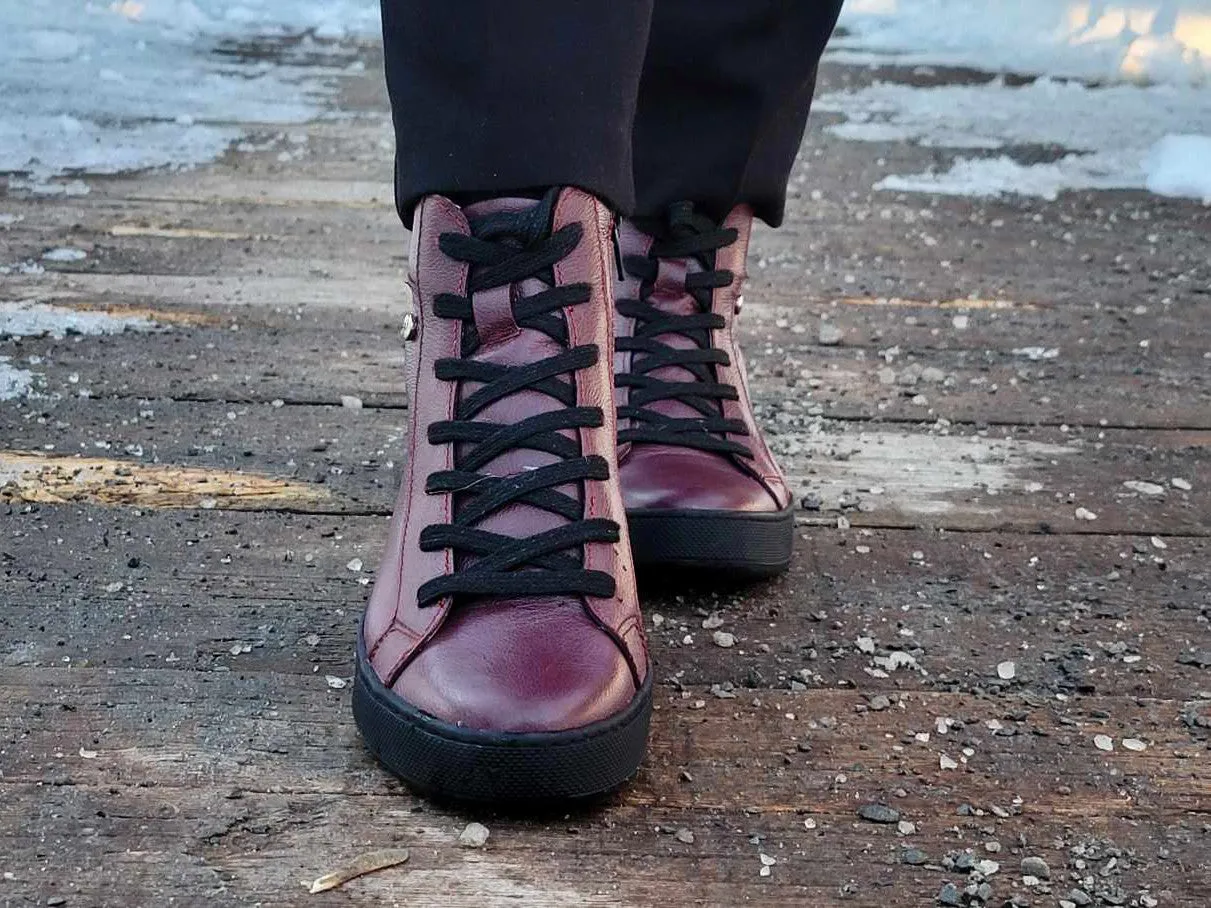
[[1023, 479], [246, 591], [293, 773], [261, 847], [326, 360]]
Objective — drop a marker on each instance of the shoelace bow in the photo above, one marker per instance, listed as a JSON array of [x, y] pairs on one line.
[[504, 249], [684, 234]]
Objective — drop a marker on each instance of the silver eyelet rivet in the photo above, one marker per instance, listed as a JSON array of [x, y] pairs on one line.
[[410, 325]]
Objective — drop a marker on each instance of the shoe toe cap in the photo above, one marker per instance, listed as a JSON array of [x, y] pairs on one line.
[[659, 477], [518, 667]]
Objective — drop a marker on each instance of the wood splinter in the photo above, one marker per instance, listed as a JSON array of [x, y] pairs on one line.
[[370, 862]]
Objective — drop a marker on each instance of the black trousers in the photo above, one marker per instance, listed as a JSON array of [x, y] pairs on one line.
[[642, 102]]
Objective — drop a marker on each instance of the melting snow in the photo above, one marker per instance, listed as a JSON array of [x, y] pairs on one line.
[[64, 254], [39, 320], [1141, 119], [105, 87], [1146, 40], [28, 319], [1181, 166], [14, 382]]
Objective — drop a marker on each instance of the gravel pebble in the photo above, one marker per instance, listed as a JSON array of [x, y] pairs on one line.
[[1036, 867], [830, 334], [1103, 742], [724, 639], [1007, 670], [1144, 488], [950, 895], [474, 836], [879, 813], [915, 857]]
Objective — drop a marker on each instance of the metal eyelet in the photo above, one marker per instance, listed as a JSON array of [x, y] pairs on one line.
[[411, 323]]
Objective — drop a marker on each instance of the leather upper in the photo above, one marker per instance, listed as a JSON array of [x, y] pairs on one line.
[[547, 663], [658, 476]]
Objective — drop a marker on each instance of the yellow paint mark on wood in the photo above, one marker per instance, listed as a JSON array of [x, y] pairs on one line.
[[28, 476], [185, 233], [936, 304]]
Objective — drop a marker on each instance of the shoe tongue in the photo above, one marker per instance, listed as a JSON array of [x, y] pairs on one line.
[[668, 290], [504, 342], [498, 206], [670, 295]]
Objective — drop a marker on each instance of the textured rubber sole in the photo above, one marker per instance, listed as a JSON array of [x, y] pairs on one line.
[[448, 761], [736, 542]]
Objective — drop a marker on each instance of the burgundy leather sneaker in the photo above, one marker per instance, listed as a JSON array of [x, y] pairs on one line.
[[701, 487], [502, 654]]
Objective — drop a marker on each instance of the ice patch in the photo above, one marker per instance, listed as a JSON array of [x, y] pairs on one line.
[[990, 177], [28, 319], [132, 85], [917, 473], [14, 382], [64, 254], [39, 320], [1107, 132], [1180, 166], [1108, 135], [1147, 40]]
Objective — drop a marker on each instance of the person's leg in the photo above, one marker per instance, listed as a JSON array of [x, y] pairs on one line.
[[723, 102], [722, 107], [502, 653], [489, 98]]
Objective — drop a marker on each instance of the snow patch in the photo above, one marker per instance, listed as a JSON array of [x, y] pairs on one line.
[[39, 320], [1146, 40], [14, 382], [1180, 165], [64, 254], [988, 177], [142, 84], [916, 473], [1137, 127]]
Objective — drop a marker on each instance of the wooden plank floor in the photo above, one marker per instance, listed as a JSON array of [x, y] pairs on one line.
[[994, 645]]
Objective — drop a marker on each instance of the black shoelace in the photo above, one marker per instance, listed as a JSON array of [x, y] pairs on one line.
[[684, 234], [504, 249]]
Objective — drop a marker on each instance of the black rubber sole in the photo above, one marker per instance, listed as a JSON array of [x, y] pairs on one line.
[[447, 761], [739, 543]]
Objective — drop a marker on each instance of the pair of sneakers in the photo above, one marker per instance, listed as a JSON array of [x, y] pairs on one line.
[[578, 407]]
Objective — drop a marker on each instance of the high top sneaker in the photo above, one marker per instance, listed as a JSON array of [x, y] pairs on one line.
[[701, 487], [502, 653]]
